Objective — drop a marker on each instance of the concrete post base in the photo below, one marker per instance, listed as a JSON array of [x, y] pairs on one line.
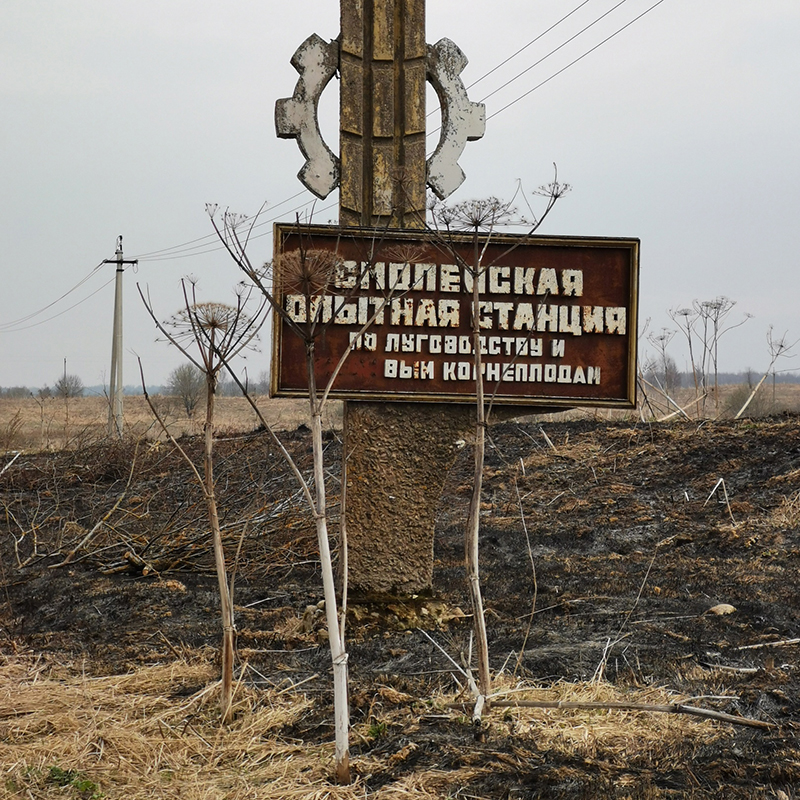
[[398, 457]]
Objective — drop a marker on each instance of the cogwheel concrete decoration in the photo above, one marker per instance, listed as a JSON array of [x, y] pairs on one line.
[[462, 120], [296, 117], [317, 61]]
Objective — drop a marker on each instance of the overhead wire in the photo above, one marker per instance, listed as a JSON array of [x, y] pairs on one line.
[[552, 52], [60, 313], [555, 50], [209, 236], [219, 246], [19, 320], [208, 243], [526, 46], [576, 60]]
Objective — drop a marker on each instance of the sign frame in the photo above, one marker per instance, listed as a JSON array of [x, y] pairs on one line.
[[566, 267]]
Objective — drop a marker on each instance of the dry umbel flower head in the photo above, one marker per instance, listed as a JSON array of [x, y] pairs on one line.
[[307, 272], [406, 254]]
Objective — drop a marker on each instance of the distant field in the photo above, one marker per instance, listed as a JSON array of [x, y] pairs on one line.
[[53, 423]]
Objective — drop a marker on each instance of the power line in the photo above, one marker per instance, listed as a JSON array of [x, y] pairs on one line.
[[219, 246], [60, 313], [33, 314], [526, 46], [209, 235], [555, 50], [16, 325], [192, 248], [208, 244], [575, 61]]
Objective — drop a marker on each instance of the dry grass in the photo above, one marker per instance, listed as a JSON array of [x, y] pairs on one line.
[[624, 738], [138, 736], [155, 733], [768, 400], [787, 515], [34, 424]]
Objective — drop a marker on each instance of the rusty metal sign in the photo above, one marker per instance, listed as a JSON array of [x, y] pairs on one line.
[[557, 316]]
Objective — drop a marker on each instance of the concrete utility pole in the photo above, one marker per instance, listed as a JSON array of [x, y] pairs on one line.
[[397, 455], [115, 412]]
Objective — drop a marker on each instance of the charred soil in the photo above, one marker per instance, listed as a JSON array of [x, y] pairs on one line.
[[623, 556]]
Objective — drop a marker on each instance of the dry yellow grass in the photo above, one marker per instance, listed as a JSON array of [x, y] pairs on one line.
[[54, 423], [624, 737], [139, 736]]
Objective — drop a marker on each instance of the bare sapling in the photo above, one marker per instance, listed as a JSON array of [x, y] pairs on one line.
[[704, 325], [481, 218], [313, 275], [778, 348], [209, 335]]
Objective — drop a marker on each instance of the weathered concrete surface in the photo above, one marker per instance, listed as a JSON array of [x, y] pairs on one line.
[[382, 119], [398, 456], [462, 120]]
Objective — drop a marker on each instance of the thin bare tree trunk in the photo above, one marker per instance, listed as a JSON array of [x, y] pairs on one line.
[[341, 705], [474, 520], [226, 602]]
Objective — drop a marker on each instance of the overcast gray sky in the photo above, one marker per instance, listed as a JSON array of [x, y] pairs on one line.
[[124, 117]]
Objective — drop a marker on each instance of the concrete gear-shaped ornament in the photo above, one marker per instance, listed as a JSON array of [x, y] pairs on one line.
[[296, 117], [462, 120]]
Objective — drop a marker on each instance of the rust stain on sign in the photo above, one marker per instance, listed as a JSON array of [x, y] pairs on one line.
[[558, 317]]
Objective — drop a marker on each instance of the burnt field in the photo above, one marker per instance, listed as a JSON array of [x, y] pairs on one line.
[[622, 562]]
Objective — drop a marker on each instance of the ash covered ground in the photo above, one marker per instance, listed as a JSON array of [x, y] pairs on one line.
[[607, 550]]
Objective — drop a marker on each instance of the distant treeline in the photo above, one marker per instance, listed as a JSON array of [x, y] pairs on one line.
[[746, 378], [749, 377], [18, 392]]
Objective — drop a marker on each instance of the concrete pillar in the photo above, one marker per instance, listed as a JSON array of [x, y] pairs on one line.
[[398, 454], [382, 120]]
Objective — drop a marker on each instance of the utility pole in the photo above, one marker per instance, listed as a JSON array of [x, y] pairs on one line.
[[115, 413]]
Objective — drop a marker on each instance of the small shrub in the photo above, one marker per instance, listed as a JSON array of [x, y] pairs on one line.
[[759, 406], [61, 777], [377, 730], [11, 433], [84, 788]]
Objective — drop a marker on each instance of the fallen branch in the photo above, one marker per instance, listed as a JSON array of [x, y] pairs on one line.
[[721, 482], [777, 350], [671, 708], [737, 670], [683, 410], [782, 643], [443, 651], [18, 454], [668, 398], [547, 439]]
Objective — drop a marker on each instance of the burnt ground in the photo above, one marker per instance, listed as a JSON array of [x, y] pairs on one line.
[[603, 549]]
